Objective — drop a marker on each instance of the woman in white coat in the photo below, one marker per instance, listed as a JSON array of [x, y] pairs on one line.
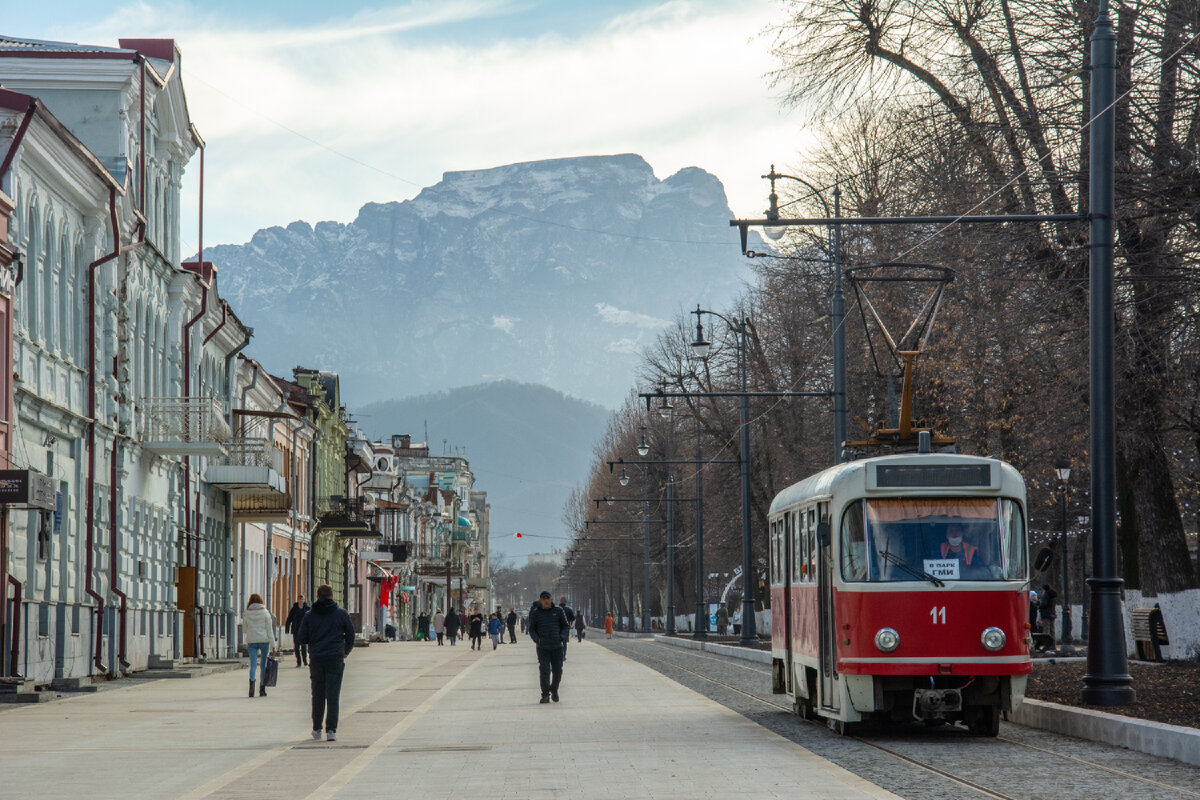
[[258, 631], [439, 625]]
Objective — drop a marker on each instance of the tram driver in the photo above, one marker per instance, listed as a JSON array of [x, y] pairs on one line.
[[972, 562]]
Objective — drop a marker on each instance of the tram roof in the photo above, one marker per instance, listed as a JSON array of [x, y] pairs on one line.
[[826, 482]]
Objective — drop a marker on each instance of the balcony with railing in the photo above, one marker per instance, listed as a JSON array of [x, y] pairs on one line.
[[251, 465], [352, 517], [185, 426]]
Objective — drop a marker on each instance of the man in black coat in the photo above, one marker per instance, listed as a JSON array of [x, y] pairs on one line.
[[452, 625], [549, 629], [570, 615], [329, 634], [512, 625], [299, 609]]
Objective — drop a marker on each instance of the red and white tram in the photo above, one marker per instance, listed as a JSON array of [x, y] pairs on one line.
[[899, 591]]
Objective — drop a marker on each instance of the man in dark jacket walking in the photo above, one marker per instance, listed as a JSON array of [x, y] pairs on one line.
[[329, 634], [570, 615], [512, 625], [292, 625], [452, 625], [549, 629]]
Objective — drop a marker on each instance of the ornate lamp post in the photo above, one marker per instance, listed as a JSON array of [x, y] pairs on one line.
[[700, 349], [1062, 468]]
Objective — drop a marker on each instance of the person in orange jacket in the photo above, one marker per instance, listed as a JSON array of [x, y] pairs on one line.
[[608, 625]]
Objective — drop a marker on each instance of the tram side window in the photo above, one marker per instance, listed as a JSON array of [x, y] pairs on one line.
[[774, 558], [811, 555], [854, 544], [795, 543], [776, 572], [798, 547], [1012, 540]]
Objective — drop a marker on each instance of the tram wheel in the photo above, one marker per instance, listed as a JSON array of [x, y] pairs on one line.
[[840, 727], [804, 708], [984, 721]]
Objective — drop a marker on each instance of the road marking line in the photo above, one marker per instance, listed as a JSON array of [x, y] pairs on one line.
[[223, 780], [347, 773]]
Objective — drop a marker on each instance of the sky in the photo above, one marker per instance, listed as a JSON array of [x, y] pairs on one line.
[[311, 109]]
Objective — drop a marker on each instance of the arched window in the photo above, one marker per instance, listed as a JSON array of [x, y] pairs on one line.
[[46, 274], [77, 300], [27, 312]]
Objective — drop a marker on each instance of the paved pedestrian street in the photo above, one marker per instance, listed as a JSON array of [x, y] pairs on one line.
[[417, 720]]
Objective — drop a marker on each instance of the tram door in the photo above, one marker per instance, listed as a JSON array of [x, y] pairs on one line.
[[827, 628]]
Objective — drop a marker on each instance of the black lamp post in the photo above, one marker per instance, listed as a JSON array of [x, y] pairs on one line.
[[700, 349], [623, 479], [1062, 468], [1107, 681]]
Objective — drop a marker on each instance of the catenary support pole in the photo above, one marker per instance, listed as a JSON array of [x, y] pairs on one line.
[[749, 636], [1107, 681], [670, 556], [838, 318], [701, 627]]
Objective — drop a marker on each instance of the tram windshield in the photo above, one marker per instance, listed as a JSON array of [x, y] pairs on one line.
[[933, 539]]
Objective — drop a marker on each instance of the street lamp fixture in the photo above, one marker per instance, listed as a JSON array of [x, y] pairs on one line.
[[624, 478], [700, 346], [1062, 468], [642, 449], [664, 411]]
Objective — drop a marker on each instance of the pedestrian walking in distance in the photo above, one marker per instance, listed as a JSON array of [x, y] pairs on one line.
[[439, 626], [258, 629], [495, 630], [580, 626], [453, 623], [570, 615], [608, 625], [329, 634], [549, 629], [512, 625], [476, 630], [423, 626], [299, 609]]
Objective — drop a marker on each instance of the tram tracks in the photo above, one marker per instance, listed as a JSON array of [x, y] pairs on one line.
[[1074, 762]]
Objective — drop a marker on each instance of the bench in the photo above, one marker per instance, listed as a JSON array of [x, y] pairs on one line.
[[1149, 633]]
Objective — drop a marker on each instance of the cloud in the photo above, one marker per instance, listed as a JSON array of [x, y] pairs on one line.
[[622, 346], [313, 118], [616, 316], [504, 324]]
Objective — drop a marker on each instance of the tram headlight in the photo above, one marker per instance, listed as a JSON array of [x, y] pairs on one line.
[[887, 640], [993, 639]]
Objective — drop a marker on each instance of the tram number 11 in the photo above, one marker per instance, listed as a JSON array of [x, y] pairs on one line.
[[938, 614]]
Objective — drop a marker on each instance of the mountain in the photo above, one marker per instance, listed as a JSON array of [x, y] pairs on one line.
[[555, 272], [528, 446]]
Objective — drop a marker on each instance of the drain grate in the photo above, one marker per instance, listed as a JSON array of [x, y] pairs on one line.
[[316, 746], [454, 748]]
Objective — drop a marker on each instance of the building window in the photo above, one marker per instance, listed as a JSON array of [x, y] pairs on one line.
[[44, 521]]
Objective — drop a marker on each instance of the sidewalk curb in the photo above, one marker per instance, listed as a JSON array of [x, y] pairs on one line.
[[727, 650], [1153, 738]]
